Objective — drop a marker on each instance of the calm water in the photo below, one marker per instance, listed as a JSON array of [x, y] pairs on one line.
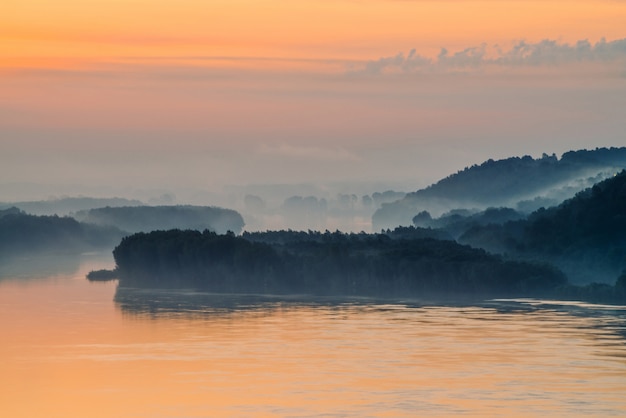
[[69, 350]]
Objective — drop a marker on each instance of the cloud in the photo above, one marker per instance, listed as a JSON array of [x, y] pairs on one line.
[[553, 52], [468, 58], [522, 54], [409, 63]]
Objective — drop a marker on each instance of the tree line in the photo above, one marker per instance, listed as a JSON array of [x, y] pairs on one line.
[[330, 263]]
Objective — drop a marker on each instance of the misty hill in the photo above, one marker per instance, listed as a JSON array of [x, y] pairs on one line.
[[458, 221], [585, 236], [150, 218], [522, 183], [21, 233], [325, 264], [68, 205]]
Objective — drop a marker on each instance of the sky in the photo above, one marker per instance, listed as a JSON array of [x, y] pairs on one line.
[[115, 95]]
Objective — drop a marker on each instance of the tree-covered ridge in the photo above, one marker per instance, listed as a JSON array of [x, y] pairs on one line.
[[515, 176], [522, 182], [328, 263], [456, 222], [68, 205], [585, 235], [23, 233], [150, 218]]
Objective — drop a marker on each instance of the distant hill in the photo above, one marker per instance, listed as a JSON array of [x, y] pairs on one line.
[[522, 183], [585, 236], [151, 218], [456, 222], [68, 205], [21, 233]]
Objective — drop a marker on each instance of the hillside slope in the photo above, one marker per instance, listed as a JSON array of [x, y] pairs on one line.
[[585, 236], [523, 183]]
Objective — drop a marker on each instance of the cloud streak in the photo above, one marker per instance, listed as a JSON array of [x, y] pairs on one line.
[[522, 54]]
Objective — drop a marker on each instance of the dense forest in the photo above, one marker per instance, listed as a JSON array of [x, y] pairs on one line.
[[23, 233], [150, 218], [325, 264], [523, 183], [585, 236]]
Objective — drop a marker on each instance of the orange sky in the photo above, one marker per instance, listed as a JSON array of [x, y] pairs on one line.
[[205, 93], [38, 33]]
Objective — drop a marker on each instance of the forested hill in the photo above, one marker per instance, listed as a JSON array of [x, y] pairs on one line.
[[325, 264], [68, 205], [585, 235], [523, 183], [21, 233], [149, 218]]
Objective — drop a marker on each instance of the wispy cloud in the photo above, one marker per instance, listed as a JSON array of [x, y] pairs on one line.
[[521, 54]]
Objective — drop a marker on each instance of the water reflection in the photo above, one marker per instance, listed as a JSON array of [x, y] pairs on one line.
[[69, 351], [163, 304], [611, 318], [602, 325], [380, 358]]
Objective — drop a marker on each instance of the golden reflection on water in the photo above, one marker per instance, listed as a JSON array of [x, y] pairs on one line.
[[69, 351]]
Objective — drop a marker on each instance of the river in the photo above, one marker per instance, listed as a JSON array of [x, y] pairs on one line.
[[71, 348]]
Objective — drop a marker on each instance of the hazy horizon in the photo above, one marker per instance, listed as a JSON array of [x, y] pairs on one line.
[[195, 98]]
